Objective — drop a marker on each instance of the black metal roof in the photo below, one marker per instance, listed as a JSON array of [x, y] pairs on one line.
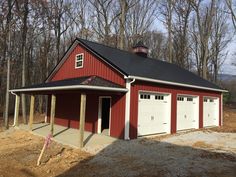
[[133, 65], [81, 81]]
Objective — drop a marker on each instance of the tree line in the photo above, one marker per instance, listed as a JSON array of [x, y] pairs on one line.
[[193, 34]]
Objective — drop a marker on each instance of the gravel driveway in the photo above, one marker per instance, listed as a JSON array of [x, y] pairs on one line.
[[198, 153]]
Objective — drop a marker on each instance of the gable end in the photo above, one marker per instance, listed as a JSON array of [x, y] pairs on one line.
[[68, 53]]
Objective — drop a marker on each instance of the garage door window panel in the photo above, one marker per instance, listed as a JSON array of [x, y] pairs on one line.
[[153, 114]]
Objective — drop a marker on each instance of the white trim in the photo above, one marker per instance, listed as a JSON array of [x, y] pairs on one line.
[[168, 94], [197, 98], [155, 92], [82, 54], [218, 101], [127, 107], [99, 128], [222, 115], [213, 97], [185, 94], [72, 87], [76, 42], [174, 83]]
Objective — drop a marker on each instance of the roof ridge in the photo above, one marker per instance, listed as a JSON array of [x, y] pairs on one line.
[[128, 52], [95, 42], [126, 58], [125, 51], [145, 58]]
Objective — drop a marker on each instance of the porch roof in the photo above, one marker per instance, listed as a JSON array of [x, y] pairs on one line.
[[85, 83]]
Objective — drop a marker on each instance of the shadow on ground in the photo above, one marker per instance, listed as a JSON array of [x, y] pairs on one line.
[[150, 157], [135, 158]]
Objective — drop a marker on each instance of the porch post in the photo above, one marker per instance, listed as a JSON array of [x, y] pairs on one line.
[[16, 113], [31, 118], [82, 119], [52, 114], [46, 110]]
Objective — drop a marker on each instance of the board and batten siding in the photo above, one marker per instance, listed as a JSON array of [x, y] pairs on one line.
[[68, 111], [92, 66], [67, 106], [174, 91]]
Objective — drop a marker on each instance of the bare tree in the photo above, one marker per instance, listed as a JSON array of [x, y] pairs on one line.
[[8, 33], [122, 19], [23, 14], [140, 18], [181, 43], [59, 12], [219, 40], [156, 42], [204, 21], [166, 11], [232, 11], [104, 17]]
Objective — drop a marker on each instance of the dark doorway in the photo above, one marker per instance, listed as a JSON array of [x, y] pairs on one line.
[[105, 113]]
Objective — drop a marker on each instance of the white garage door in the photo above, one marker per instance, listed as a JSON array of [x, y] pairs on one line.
[[187, 112], [210, 111], [154, 113]]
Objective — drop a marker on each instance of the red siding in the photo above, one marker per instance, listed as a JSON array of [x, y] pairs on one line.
[[91, 66], [145, 86], [68, 105], [118, 116], [68, 112]]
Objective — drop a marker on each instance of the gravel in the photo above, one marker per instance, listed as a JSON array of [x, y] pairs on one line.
[[171, 156]]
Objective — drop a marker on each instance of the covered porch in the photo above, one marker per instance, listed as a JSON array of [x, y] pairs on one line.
[[77, 100]]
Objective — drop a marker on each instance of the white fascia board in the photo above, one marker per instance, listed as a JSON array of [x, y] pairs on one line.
[[70, 88], [174, 83]]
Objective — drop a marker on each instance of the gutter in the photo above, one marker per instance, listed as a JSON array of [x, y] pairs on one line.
[[70, 88], [173, 83]]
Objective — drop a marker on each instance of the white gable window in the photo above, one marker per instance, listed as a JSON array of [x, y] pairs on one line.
[[79, 60]]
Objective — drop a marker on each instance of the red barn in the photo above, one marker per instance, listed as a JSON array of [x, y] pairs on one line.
[[127, 94]]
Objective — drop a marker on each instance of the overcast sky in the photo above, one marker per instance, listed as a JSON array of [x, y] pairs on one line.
[[227, 67]]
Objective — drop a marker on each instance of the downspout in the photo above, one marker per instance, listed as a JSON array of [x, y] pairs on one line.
[[127, 107]]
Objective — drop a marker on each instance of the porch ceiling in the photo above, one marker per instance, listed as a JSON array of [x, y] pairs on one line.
[[81, 83]]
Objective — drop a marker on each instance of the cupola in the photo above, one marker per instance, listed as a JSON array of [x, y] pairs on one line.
[[140, 49]]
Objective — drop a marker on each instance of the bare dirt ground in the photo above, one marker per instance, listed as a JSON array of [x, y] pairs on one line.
[[198, 153], [229, 122]]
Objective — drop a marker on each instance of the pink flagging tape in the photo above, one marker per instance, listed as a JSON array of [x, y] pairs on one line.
[[48, 140]]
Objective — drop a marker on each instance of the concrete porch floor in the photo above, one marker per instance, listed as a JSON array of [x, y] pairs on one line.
[[70, 136]]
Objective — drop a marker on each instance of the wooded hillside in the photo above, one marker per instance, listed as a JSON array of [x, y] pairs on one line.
[[35, 34]]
